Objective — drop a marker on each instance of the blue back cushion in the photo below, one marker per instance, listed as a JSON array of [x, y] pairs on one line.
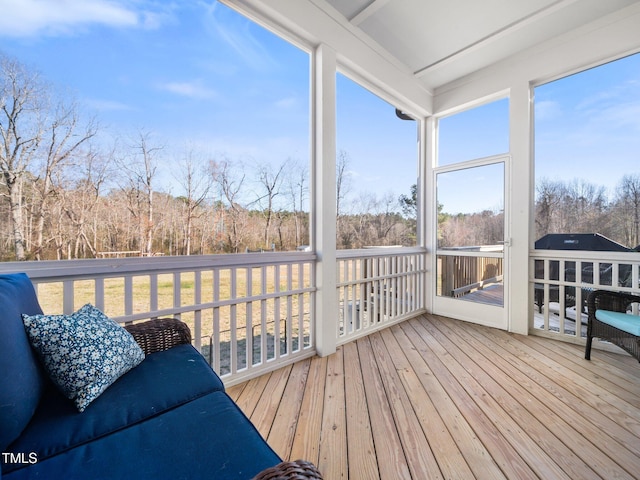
[[22, 378]]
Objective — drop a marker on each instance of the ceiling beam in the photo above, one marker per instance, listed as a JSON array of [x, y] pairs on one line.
[[507, 30], [367, 11]]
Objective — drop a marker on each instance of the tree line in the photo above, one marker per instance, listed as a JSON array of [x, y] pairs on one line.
[[561, 206], [103, 205], [578, 206], [64, 194]]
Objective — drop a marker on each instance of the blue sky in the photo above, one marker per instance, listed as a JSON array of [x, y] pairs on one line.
[[198, 74], [588, 124], [587, 127]]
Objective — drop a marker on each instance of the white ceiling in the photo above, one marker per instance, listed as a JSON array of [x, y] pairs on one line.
[[442, 40]]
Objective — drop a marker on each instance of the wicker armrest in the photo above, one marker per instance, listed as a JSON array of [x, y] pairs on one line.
[[160, 334], [296, 470], [612, 301]]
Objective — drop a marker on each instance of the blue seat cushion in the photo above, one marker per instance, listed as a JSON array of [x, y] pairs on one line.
[[621, 321], [23, 378], [163, 381], [208, 438]]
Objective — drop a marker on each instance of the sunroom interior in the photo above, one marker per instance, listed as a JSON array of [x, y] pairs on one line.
[[376, 363], [433, 62]]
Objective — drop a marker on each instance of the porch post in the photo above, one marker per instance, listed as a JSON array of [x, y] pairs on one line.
[[521, 228], [324, 198], [427, 206]]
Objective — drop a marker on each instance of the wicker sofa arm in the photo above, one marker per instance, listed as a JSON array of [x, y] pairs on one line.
[[160, 334], [296, 470]]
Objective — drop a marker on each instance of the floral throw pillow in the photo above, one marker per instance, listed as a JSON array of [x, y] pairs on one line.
[[84, 352]]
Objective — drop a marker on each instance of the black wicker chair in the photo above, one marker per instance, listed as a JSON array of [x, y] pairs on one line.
[[614, 302]]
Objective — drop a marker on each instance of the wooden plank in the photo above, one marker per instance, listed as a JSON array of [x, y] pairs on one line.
[[622, 368], [420, 458], [392, 463], [235, 391], [566, 442], [306, 442], [502, 451], [250, 395], [605, 434], [285, 423], [361, 449], [457, 449], [267, 406], [593, 370], [445, 451], [607, 399], [487, 403], [535, 456], [333, 446], [549, 431]]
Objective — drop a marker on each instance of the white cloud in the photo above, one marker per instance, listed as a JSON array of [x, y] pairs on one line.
[[193, 90], [238, 34], [107, 105], [286, 103], [547, 110], [24, 18]]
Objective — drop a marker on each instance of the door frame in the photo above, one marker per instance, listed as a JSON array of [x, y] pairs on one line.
[[473, 312]]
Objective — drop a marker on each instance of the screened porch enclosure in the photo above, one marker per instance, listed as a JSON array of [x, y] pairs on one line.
[[378, 362]]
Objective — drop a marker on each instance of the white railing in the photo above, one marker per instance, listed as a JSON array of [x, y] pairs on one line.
[[378, 287], [248, 313], [561, 281]]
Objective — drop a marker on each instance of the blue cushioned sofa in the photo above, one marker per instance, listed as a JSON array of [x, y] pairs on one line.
[[167, 418]]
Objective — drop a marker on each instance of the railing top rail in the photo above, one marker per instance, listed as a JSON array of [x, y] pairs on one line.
[[586, 255], [378, 252], [52, 269]]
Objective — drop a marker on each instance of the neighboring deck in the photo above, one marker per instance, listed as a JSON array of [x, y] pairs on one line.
[[437, 398]]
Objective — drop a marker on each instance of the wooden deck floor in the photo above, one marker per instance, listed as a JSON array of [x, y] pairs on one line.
[[437, 398]]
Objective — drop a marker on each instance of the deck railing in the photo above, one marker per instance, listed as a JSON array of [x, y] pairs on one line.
[[561, 281], [378, 287], [248, 313]]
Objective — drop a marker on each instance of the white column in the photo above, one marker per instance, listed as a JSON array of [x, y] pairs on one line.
[[521, 184], [427, 206], [324, 198]]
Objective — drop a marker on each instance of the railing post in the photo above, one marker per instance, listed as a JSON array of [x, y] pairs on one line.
[[324, 198]]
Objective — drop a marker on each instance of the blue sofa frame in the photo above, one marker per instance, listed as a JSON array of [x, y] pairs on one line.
[[168, 418]]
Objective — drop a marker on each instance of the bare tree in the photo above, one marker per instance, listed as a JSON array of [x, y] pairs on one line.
[[343, 187], [627, 207], [230, 180], [141, 169], [80, 200], [23, 99], [548, 201], [196, 183], [62, 141], [298, 190], [271, 180]]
